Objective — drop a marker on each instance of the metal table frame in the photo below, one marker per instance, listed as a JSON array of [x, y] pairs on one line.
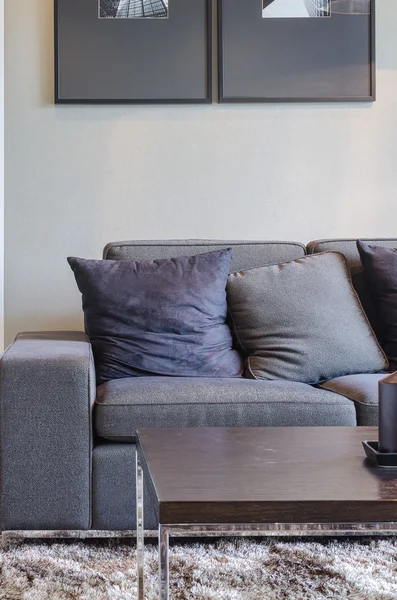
[[235, 530]]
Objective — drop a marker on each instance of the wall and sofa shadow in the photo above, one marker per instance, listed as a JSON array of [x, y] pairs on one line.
[[80, 176]]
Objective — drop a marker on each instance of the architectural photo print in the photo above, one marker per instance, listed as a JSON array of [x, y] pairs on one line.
[[351, 7], [290, 9], [133, 9]]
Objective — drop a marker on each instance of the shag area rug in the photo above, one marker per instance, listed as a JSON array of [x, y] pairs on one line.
[[237, 569]]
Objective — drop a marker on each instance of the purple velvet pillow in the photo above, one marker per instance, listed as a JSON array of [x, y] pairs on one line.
[[158, 317], [380, 270]]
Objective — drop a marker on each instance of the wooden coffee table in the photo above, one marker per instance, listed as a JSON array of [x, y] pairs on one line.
[[261, 481]]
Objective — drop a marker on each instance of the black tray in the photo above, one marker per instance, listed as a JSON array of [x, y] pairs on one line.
[[384, 460]]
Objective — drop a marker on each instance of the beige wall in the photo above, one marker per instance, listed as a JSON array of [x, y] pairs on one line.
[[77, 177]]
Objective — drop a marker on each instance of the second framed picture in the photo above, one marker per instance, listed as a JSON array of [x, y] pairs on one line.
[[133, 51], [296, 50]]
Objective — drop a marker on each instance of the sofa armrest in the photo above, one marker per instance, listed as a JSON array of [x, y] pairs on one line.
[[47, 390]]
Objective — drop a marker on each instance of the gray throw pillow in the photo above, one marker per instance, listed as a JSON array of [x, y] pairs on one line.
[[158, 317], [302, 321]]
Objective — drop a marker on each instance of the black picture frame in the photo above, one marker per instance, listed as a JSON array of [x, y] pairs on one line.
[[256, 60], [133, 61]]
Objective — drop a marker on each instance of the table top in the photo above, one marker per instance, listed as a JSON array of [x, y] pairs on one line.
[[262, 475]]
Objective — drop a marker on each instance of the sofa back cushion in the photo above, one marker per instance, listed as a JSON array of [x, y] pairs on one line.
[[348, 247], [246, 254]]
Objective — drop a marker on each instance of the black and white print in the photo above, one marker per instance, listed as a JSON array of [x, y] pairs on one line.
[[350, 7], [290, 9], [133, 9]]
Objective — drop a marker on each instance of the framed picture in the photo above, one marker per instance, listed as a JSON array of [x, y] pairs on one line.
[[133, 51], [296, 50]]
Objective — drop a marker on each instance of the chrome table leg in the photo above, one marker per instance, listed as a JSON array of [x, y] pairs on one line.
[[163, 563], [139, 527]]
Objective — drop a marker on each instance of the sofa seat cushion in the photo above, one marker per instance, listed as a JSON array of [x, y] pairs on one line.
[[363, 390], [125, 405]]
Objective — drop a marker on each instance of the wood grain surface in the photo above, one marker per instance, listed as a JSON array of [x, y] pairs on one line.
[[263, 475]]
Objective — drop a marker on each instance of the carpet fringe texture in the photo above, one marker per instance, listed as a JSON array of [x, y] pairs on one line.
[[233, 569]]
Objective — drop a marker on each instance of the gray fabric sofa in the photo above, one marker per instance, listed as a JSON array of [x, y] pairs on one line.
[[67, 448]]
